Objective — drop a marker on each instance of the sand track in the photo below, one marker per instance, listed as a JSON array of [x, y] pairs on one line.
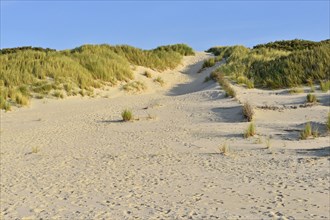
[[90, 165]]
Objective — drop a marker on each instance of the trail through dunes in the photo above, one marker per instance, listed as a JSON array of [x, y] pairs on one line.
[[76, 159]]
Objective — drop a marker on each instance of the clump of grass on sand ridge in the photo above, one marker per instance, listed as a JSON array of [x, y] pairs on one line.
[[250, 131], [248, 111], [311, 98], [160, 81], [127, 115], [135, 86], [224, 149], [308, 132]]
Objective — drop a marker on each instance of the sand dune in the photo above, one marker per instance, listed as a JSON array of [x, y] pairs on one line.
[[76, 159]]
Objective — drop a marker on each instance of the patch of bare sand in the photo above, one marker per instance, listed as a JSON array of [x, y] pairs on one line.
[[75, 159]]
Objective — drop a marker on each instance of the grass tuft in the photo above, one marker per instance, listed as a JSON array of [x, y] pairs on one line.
[[224, 149], [306, 132], [135, 86], [127, 115], [147, 74], [296, 90], [248, 111], [325, 85], [160, 81], [311, 98], [250, 131]]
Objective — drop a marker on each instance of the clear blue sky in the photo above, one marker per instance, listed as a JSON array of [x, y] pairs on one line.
[[147, 24]]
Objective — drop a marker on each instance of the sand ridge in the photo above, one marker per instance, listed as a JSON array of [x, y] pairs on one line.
[[166, 165]]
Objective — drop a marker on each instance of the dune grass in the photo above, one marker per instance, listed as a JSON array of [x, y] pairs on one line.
[[209, 63], [296, 90], [127, 115], [325, 85], [224, 149], [250, 131], [248, 111], [86, 67], [308, 131], [277, 65], [135, 86], [311, 98], [147, 74], [159, 80]]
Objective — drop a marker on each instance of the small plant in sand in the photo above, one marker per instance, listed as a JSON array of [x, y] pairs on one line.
[[135, 86], [311, 98], [127, 115], [306, 132], [209, 63], [35, 150], [268, 142], [296, 90], [315, 132], [248, 111], [160, 81], [224, 149], [147, 74], [58, 94], [250, 131]]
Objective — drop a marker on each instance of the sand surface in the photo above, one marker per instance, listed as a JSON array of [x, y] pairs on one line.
[[76, 159]]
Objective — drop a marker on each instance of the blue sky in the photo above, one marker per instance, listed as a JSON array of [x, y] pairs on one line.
[[148, 24]]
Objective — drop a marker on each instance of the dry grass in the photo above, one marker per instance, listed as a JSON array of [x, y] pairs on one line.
[[224, 149], [160, 81], [147, 74], [296, 90], [309, 132], [248, 111], [135, 86], [250, 131]]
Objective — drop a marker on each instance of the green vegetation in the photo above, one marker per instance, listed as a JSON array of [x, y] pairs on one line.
[[244, 80], [250, 131], [209, 63], [291, 45], [159, 80], [308, 131], [311, 98], [296, 90], [135, 86], [147, 74], [127, 115], [277, 65], [182, 49], [325, 85], [42, 71], [226, 86]]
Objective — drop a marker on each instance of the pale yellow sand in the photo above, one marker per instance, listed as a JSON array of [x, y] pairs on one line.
[[166, 165]]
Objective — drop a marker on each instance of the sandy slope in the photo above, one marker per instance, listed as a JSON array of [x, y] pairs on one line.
[[165, 165]]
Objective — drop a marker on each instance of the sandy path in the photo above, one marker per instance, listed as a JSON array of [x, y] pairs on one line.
[[90, 165]]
